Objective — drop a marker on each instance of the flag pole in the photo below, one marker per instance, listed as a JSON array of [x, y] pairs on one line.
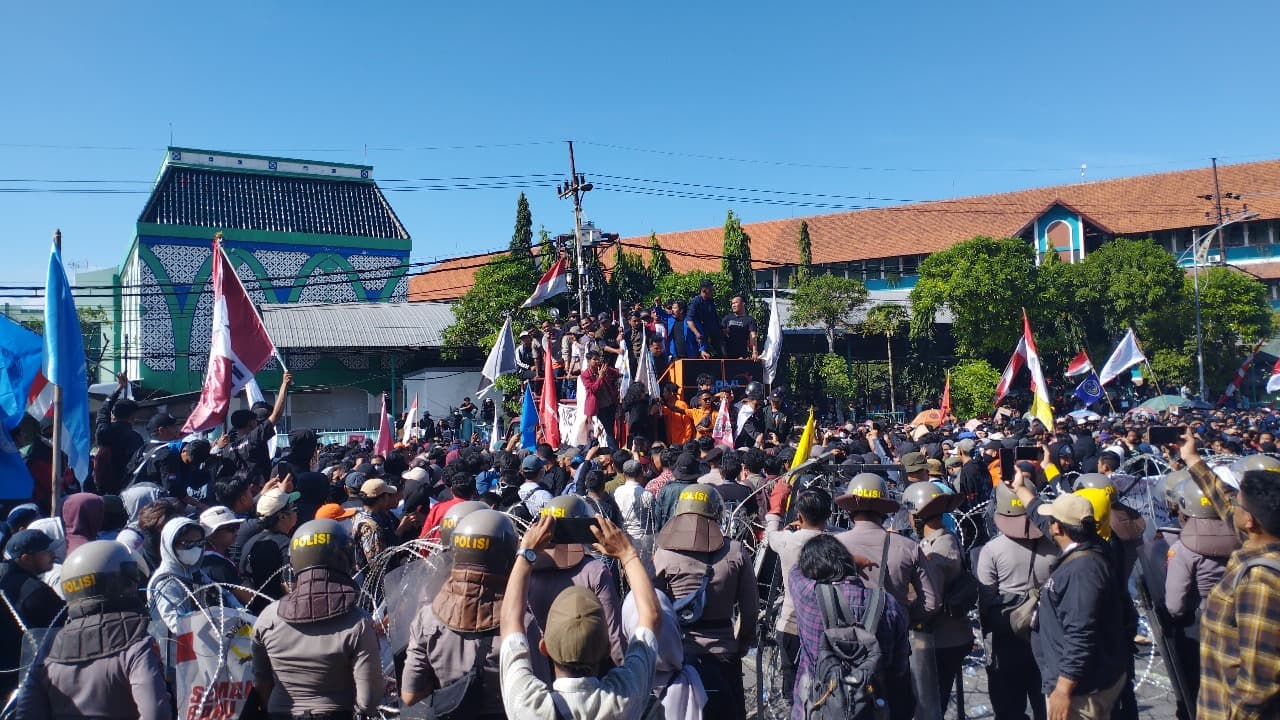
[[55, 496], [1107, 395], [217, 238]]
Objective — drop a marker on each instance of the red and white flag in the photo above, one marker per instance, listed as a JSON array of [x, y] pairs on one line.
[[1273, 382], [1079, 366], [383, 446], [548, 403], [40, 397], [240, 346], [1234, 385], [553, 282]]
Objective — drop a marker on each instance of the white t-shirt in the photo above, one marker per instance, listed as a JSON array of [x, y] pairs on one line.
[[636, 505]]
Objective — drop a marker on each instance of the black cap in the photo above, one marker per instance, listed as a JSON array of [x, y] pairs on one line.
[[161, 420], [27, 542]]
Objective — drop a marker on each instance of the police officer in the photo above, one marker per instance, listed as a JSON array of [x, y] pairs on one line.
[[1197, 560], [566, 565], [458, 631], [927, 503], [708, 576], [1010, 566], [315, 651], [103, 663], [904, 571]]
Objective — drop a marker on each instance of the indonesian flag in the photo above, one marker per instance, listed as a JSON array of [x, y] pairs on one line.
[[722, 432], [1273, 382], [945, 405], [40, 397], [548, 404], [553, 282], [1234, 385], [383, 446], [1026, 354], [240, 346], [1080, 365], [410, 421]]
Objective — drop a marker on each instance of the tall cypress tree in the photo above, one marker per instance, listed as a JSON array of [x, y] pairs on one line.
[[522, 237], [546, 250], [659, 265], [736, 264], [806, 254]]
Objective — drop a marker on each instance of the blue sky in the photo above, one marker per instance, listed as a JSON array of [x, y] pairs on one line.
[[892, 100]]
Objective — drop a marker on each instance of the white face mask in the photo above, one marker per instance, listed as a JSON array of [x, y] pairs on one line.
[[191, 556]]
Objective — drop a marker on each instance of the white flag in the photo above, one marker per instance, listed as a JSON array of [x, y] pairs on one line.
[[624, 366], [1273, 382], [410, 421], [645, 373], [772, 344], [1126, 355], [502, 358]]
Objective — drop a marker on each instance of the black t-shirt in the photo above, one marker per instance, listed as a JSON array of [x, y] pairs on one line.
[[737, 331]]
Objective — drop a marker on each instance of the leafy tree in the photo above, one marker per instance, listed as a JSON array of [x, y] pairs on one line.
[[983, 282], [886, 319], [827, 301], [805, 246], [631, 281], [522, 237], [839, 383], [1234, 314], [1132, 283], [546, 249], [682, 286], [501, 286], [659, 265], [736, 264], [973, 385]]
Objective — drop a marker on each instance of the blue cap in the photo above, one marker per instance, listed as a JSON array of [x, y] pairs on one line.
[[531, 464], [27, 542], [354, 479]]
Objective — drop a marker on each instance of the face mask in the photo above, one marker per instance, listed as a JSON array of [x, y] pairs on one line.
[[191, 556]]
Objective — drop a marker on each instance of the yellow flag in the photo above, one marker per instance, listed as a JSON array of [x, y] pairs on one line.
[[806, 442]]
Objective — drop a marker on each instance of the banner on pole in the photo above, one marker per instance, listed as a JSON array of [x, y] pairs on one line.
[[213, 663]]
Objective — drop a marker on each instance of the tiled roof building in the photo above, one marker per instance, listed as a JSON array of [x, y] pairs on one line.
[[884, 246], [297, 231]]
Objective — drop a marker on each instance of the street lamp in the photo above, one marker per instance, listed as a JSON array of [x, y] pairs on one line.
[[1203, 243]]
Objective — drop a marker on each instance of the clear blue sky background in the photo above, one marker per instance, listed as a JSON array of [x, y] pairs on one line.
[[890, 100]]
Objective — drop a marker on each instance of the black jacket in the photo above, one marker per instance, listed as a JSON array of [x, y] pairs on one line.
[[122, 443], [1080, 630], [38, 605]]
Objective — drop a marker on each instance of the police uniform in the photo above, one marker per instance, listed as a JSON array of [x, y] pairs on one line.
[[316, 649], [458, 631], [103, 663], [691, 547]]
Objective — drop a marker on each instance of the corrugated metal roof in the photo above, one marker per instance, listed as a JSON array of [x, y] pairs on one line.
[[371, 325], [874, 297], [254, 201]]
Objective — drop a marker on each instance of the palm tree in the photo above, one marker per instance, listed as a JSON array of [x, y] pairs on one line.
[[886, 319]]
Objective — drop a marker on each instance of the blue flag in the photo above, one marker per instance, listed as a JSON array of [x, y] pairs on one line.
[[20, 352], [529, 420], [1090, 390], [65, 366]]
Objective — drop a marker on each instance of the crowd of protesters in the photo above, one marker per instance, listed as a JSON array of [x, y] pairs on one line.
[[896, 551]]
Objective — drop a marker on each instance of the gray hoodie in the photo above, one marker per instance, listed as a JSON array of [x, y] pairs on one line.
[[174, 589]]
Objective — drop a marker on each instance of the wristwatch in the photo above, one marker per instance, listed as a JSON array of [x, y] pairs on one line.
[[528, 554]]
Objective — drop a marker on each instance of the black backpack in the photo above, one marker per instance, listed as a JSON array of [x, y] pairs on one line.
[[846, 683]]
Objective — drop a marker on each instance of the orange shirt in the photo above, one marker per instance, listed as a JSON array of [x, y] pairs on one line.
[[679, 425], [702, 429]]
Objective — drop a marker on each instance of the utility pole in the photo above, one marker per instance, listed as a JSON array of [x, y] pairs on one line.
[[1217, 201], [575, 187]]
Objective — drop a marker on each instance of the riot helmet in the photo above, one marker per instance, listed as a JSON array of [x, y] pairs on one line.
[[321, 543], [868, 492], [755, 390], [486, 539], [453, 515], [1193, 503], [699, 499], [1254, 462], [567, 506], [695, 521], [1172, 482], [1011, 515], [101, 570], [1096, 481], [926, 500]]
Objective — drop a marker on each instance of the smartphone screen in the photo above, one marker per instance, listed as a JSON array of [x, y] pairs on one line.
[[574, 531], [1028, 452], [1161, 435], [1007, 459]]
